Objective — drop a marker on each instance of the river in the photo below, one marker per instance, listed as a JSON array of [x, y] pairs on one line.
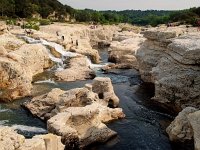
[[142, 129]]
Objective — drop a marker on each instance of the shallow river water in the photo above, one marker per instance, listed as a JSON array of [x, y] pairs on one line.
[[142, 129]]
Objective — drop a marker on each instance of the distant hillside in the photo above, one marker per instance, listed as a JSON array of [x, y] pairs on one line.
[[26, 8]]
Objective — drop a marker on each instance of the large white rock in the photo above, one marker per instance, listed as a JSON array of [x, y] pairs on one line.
[[123, 51], [170, 60], [194, 119], [17, 69], [80, 127], [79, 69], [10, 140], [180, 129], [56, 101], [186, 127]]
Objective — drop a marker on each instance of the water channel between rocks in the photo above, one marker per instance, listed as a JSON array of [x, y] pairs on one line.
[[142, 129]]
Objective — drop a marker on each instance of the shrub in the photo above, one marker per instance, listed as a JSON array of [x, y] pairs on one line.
[[10, 22], [45, 22], [32, 25]]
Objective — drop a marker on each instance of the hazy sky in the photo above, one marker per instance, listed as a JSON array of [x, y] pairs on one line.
[[132, 4]]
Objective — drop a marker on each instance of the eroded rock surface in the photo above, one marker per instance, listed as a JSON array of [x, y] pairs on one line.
[[186, 127], [170, 60], [17, 68], [80, 128], [79, 69], [123, 48], [48, 105], [78, 115], [180, 129], [10, 140]]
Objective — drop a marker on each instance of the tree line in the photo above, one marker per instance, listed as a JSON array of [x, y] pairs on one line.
[[26, 8]]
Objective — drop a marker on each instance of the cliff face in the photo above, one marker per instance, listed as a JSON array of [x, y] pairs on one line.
[[171, 60]]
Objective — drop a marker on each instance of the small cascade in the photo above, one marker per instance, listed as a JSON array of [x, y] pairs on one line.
[[59, 48], [64, 54], [45, 81], [96, 66], [29, 129]]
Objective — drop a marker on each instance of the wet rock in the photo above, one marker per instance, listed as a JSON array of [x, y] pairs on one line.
[[10, 140], [78, 70]]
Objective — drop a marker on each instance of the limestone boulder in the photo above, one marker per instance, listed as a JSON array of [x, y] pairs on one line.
[[11, 140], [78, 115], [33, 56], [194, 119], [56, 101], [10, 42], [180, 129], [103, 87], [15, 80], [43, 142], [123, 52], [170, 60], [48, 105], [176, 84], [3, 51], [17, 68], [186, 127], [163, 34], [81, 127], [79, 69], [84, 48]]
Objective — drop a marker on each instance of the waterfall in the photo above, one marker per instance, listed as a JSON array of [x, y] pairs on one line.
[[60, 49], [57, 47]]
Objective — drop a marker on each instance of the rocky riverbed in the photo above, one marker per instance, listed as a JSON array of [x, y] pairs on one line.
[[69, 90]]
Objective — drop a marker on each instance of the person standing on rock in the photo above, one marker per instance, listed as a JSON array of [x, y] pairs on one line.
[[63, 37], [198, 24], [77, 43], [72, 41], [57, 33]]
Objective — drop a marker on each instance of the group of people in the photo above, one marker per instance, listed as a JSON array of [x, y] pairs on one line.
[[93, 27], [28, 31], [72, 42], [63, 38]]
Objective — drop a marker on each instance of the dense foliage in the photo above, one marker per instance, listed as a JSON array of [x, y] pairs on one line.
[[25, 9]]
